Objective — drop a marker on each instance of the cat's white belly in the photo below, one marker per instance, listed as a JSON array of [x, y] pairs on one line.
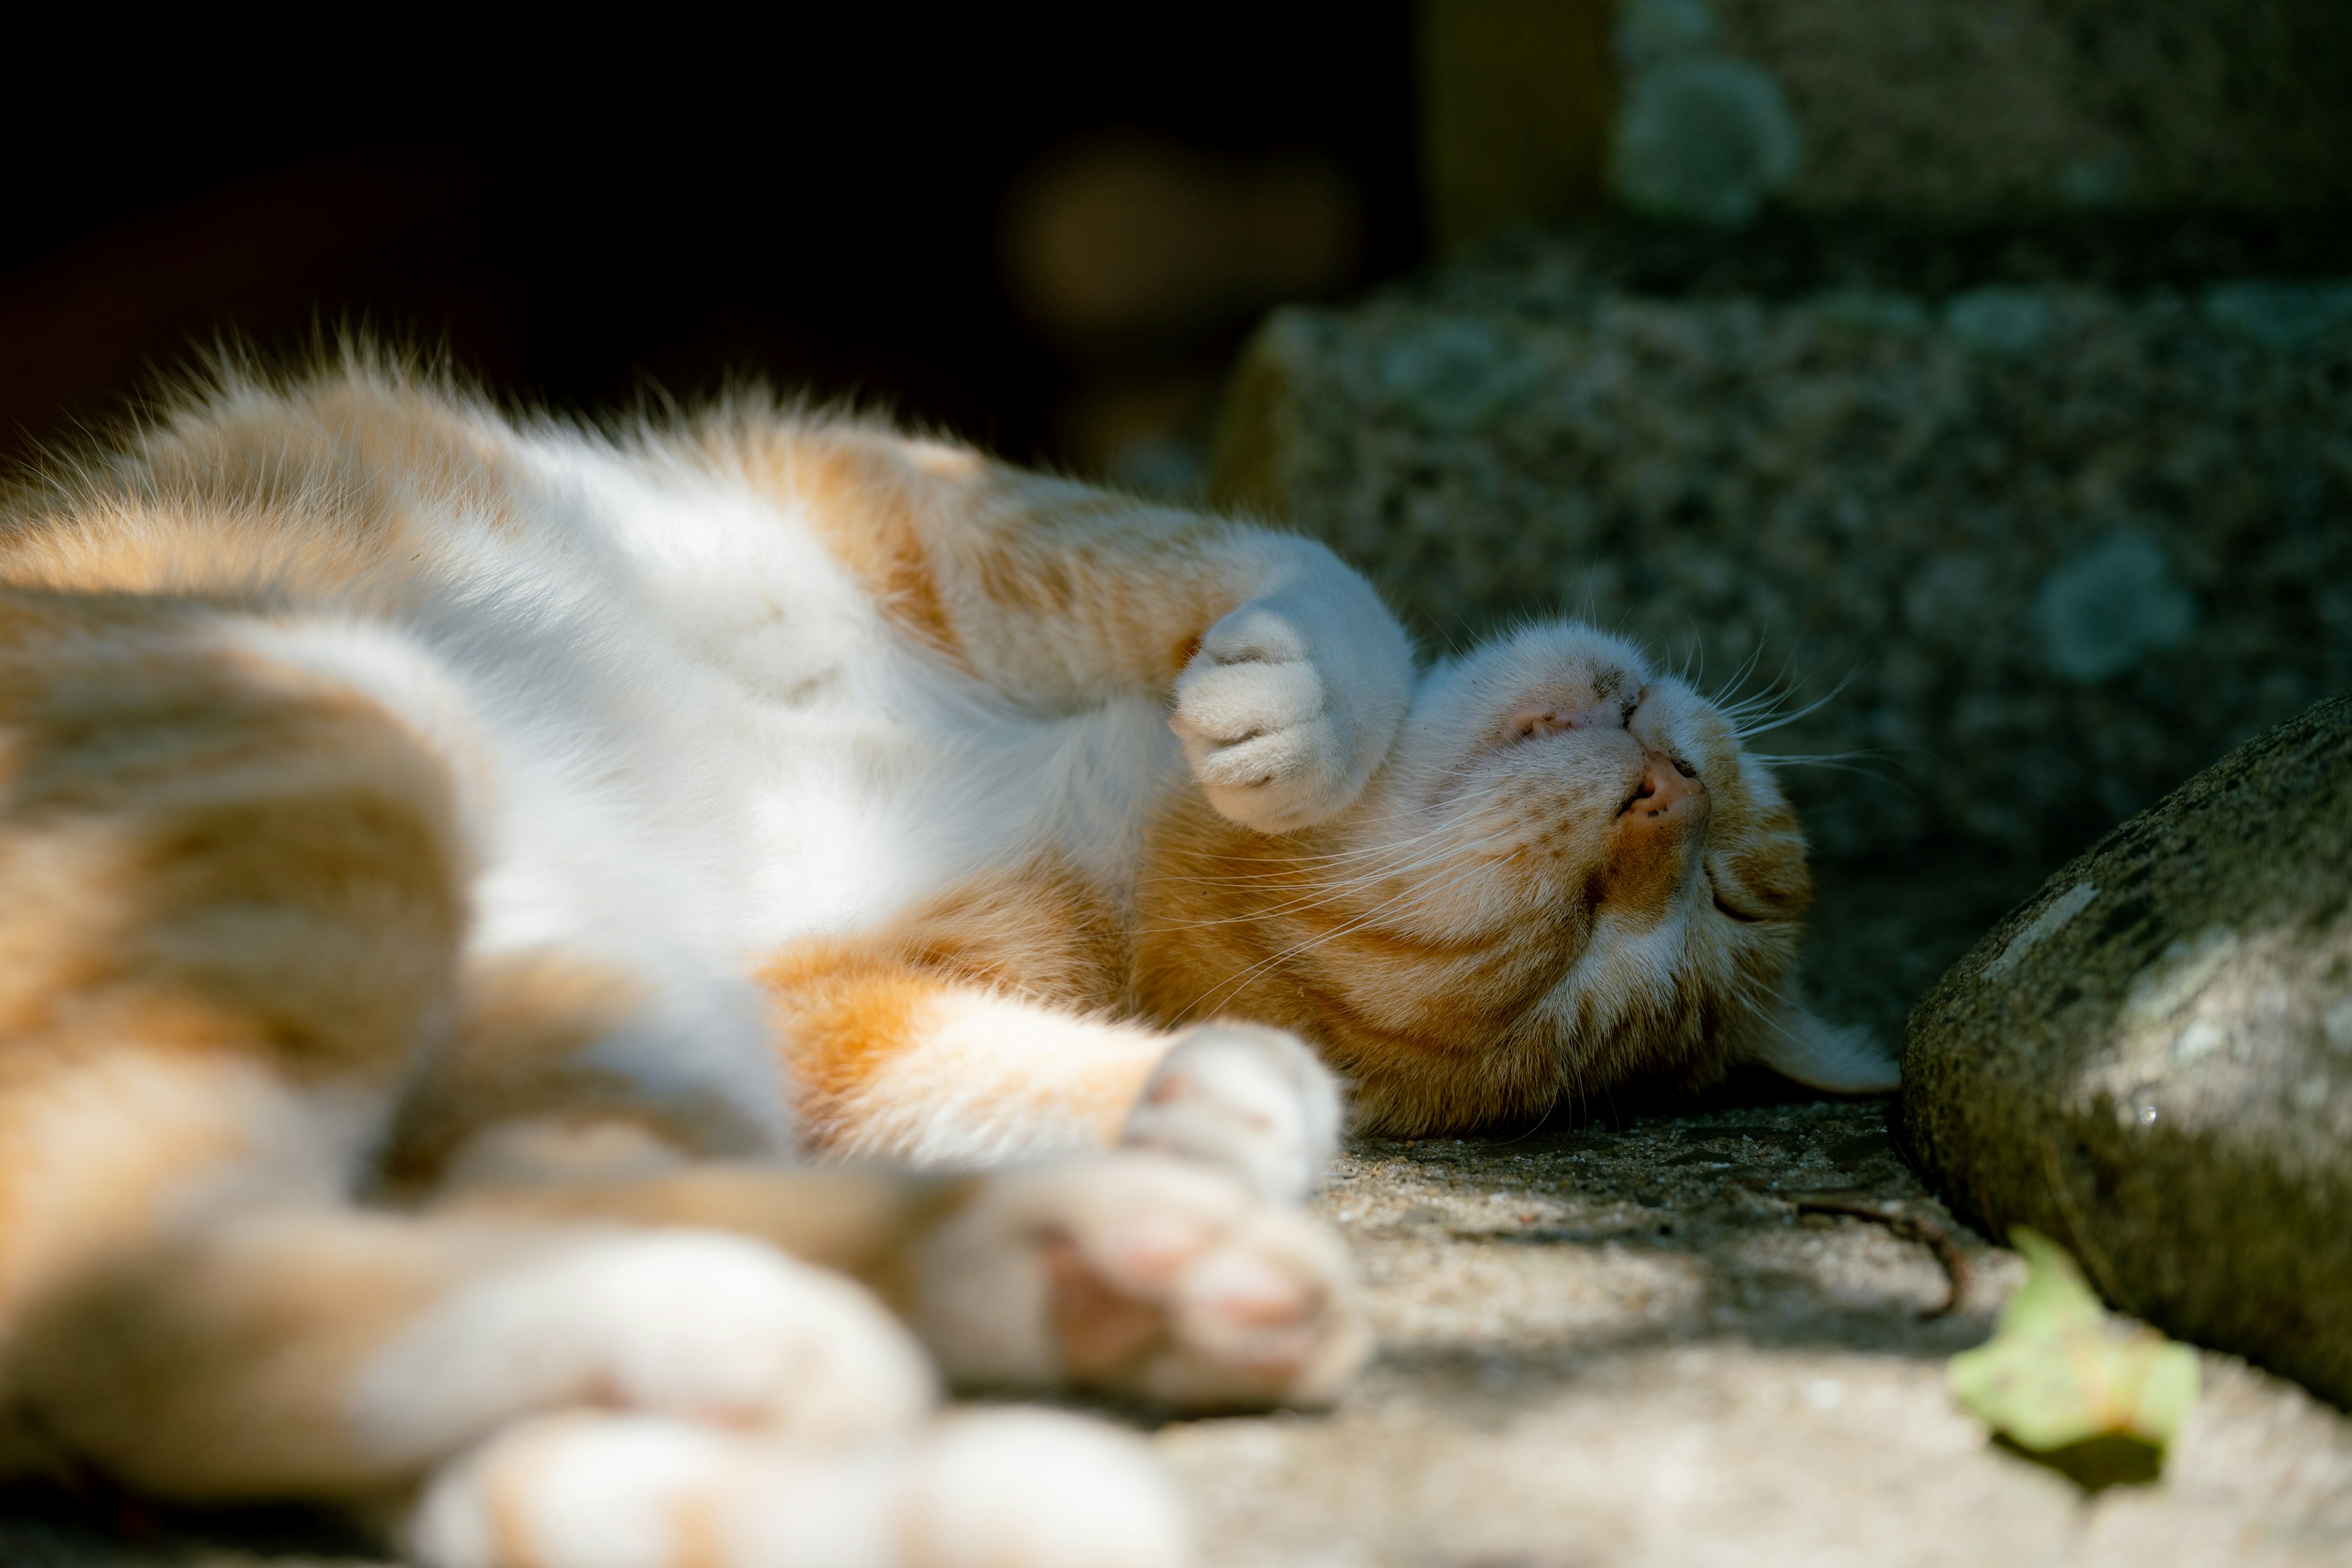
[[856, 815], [861, 775]]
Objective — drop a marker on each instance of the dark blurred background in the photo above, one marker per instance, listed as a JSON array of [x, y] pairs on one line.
[[1052, 236], [1047, 237]]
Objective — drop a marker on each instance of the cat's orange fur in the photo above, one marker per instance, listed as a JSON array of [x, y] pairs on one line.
[[237, 982]]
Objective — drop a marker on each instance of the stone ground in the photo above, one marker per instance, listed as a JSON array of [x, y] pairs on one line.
[[1615, 1339]]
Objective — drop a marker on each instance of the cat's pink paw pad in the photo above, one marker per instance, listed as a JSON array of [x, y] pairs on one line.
[[1253, 1099], [1138, 1274]]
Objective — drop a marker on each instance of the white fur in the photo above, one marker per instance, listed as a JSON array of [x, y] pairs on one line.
[[1028, 1486], [1293, 697], [1843, 1058], [1253, 1099], [682, 1321]]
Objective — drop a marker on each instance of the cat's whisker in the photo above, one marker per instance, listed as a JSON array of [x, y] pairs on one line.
[[1319, 896], [1232, 985], [1277, 863], [1749, 732]]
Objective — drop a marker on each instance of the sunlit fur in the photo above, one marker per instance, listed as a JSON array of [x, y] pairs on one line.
[[1496, 923], [555, 838]]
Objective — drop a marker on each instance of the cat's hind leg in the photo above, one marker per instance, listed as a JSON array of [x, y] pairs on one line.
[[976, 1489], [1128, 1273]]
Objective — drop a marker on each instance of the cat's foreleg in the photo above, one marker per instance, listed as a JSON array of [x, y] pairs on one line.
[[1288, 677], [1293, 698], [890, 1060]]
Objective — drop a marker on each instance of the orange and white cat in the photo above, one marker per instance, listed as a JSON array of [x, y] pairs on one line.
[[556, 983]]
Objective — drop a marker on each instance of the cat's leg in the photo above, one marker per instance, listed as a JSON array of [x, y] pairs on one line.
[[1128, 1273], [335, 1355], [890, 1059], [1286, 675], [976, 1489], [565, 1398]]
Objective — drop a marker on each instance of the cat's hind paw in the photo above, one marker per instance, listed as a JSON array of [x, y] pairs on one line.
[[685, 1323], [1141, 1276], [973, 1490], [1253, 1099]]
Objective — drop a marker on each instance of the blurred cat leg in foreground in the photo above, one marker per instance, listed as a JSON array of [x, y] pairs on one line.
[[1128, 1273], [979, 1489]]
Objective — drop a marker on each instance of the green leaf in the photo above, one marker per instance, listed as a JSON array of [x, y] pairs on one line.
[[2060, 1370]]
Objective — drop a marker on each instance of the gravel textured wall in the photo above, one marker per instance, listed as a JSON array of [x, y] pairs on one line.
[[1968, 108], [2042, 548]]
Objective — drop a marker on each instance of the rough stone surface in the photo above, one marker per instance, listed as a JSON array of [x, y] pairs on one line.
[[1964, 108], [2054, 546], [2152, 1058]]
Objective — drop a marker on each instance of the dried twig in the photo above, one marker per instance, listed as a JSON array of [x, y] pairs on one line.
[[1938, 1239]]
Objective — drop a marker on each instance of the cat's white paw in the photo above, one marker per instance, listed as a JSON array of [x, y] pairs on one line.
[[975, 1491], [683, 1322], [1253, 1099], [1137, 1274], [1292, 701]]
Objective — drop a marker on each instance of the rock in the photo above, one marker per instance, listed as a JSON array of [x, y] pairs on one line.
[[2042, 548], [1961, 109], [2151, 1060]]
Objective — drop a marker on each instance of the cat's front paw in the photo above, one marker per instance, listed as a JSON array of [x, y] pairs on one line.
[[1253, 1099], [1138, 1274], [1291, 703]]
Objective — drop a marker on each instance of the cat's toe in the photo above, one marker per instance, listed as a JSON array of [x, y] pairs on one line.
[[1141, 1276], [1259, 727], [598, 1490], [1255, 1100]]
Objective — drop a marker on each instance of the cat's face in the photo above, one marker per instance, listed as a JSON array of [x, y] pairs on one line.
[[1568, 873]]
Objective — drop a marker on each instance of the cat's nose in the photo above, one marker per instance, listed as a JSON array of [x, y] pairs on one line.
[[1669, 793]]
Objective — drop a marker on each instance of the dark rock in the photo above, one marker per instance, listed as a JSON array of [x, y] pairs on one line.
[[2151, 1059]]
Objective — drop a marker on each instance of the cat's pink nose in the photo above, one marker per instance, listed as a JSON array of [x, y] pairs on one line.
[[1667, 792]]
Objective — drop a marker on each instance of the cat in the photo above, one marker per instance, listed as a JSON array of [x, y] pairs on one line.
[[558, 982]]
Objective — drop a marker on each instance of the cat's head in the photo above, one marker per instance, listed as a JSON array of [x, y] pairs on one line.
[[1569, 873]]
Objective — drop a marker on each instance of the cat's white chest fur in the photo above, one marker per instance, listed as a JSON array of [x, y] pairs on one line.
[[847, 775]]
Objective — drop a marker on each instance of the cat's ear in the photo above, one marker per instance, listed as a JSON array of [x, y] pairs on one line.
[[1841, 1057]]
